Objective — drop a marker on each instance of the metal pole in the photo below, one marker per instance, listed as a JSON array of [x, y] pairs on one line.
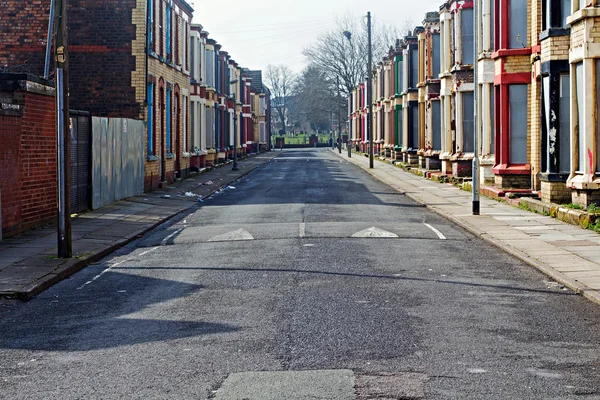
[[475, 173], [339, 117], [370, 92], [235, 138], [63, 132], [49, 41]]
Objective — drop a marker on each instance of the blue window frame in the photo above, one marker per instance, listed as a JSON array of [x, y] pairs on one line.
[[168, 106], [168, 26], [150, 119]]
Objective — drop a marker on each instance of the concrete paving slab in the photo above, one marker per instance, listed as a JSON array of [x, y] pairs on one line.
[[289, 385]]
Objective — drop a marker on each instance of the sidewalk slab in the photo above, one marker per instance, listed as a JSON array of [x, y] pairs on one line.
[[567, 253], [28, 263]]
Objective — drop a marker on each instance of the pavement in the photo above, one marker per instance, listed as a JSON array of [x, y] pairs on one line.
[[567, 253], [29, 262]]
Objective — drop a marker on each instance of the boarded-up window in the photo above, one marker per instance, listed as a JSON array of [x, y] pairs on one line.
[[414, 67], [468, 36], [597, 65], [399, 126], [579, 88], [565, 6], [517, 24], [517, 99], [493, 119], [400, 76], [551, 132], [436, 125], [435, 56], [468, 108], [413, 140], [564, 112]]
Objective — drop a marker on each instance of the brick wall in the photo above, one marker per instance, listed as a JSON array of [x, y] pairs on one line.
[[23, 32], [101, 34], [28, 161]]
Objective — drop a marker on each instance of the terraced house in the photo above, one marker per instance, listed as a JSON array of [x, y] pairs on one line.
[[165, 64], [538, 74]]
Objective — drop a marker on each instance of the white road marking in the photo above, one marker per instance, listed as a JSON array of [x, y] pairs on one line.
[[112, 266], [148, 251], [240, 234], [373, 232], [302, 229], [164, 241], [440, 235]]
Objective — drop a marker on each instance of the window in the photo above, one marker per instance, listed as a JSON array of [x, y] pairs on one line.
[[580, 110], [185, 123], [435, 55], [468, 36], [168, 110], [150, 26], [168, 30], [161, 30], [517, 99], [564, 112], [399, 126], [414, 67], [400, 76], [468, 120], [178, 60], [436, 125], [555, 13], [517, 24], [413, 140], [597, 101], [150, 101], [193, 72]]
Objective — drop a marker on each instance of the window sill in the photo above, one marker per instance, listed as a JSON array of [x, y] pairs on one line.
[[554, 32], [169, 156], [152, 158], [587, 12]]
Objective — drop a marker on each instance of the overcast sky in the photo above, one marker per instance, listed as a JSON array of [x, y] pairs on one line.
[[261, 32]]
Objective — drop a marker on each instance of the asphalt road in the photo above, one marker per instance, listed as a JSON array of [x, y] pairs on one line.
[[306, 280]]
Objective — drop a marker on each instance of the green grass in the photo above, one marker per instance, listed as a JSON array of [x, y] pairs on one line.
[[574, 206], [593, 208]]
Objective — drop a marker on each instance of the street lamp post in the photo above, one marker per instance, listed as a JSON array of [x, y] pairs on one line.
[[370, 92], [235, 134], [348, 141]]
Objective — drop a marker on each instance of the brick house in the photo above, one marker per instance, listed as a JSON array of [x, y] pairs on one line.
[[128, 59], [584, 60], [513, 94], [429, 93], [410, 98], [553, 67], [161, 79]]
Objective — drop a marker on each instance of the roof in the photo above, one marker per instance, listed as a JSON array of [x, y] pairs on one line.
[[256, 85]]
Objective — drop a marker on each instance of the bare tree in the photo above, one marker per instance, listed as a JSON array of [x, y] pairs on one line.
[[314, 93], [280, 80], [342, 51]]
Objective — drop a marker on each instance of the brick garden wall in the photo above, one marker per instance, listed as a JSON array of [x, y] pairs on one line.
[[28, 158]]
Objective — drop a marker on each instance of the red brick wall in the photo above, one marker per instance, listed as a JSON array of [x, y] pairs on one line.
[[28, 178], [23, 32], [101, 34], [100, 50]]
